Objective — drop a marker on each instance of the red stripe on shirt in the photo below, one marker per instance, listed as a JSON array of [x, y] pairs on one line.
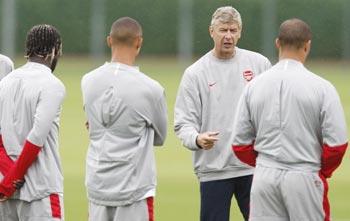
[[245, 153], [150, 208], [326, 207], [55, 205]]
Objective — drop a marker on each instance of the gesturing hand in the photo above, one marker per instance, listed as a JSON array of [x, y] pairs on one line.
[[207, 140]]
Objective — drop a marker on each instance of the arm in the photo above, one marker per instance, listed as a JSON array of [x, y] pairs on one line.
[[5, 161], [47, 108], [333, 133], [187, 113], [160, 121], [244, 133]]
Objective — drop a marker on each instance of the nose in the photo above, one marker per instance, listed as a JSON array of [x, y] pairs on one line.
[[228, 34]]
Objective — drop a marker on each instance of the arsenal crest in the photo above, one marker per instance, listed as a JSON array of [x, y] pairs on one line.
[[248, 75]]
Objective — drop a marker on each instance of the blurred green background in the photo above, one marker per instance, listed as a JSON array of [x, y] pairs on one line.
[[175, 26], [175, 34]]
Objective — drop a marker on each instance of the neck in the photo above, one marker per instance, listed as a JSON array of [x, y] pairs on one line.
[[298, 55], [40, 60], [222, 55], [123, 55]]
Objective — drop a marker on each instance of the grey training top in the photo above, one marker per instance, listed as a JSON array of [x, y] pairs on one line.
[[290, 113], [30, 105], [127, 116], [206, 101]]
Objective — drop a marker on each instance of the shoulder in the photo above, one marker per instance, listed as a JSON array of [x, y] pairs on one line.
[[322, 83], [90, 76], [149, 83], [252, 55], [6, 60], [56, 85], [197, 67]]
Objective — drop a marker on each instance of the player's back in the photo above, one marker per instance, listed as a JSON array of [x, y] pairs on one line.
[[21, 94], [286, 105], [119, 102]]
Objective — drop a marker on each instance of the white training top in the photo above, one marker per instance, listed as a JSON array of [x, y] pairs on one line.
[[290, 113], [30, 105], [206, 101], [127, 116], [6, 66]]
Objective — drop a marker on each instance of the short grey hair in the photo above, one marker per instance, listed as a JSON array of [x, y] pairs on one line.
[[226, 14]]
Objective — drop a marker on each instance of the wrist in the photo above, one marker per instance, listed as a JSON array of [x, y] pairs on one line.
[[198, 145]]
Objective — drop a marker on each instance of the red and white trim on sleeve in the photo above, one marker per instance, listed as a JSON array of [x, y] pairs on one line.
[[150, 207], [19, 169], [331, 158], [326, 207], [5, 161], [245, 153], [55, 206]]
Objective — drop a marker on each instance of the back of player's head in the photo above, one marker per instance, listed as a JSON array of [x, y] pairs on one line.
[[125, 30], [226, 14], [43, 40], [294, 33]]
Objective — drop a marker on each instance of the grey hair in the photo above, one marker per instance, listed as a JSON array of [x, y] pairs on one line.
[[227, 14]]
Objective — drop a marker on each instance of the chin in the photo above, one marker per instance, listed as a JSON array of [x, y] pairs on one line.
[[228, 51]]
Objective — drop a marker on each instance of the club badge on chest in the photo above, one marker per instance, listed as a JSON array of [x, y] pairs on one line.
[[248, 75]]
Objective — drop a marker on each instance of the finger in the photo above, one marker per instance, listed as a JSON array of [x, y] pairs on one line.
[[3, 197], [208, 146], [213, 134], [18, 184], [211, 139]]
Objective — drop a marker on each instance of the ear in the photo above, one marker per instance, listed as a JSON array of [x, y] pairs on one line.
[[211, 30], [109, 41], [307, 46], [277, 43], [138, 44], [240, 33]]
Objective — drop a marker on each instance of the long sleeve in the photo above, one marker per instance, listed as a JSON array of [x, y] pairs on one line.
[[244, 133], [160, 121], [5, 161], [187, 113], [48, 107], [334, 133]]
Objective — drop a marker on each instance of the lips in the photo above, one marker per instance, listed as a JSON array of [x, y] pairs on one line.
[[228, 45]]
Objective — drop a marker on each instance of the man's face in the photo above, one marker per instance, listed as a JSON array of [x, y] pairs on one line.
[[225, 37]]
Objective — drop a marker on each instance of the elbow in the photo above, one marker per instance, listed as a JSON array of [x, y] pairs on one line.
[[159, 141], [245, 153]]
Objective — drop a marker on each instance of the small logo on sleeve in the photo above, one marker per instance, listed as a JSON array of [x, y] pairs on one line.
[[248, 75], [211, 84], [318, 183]]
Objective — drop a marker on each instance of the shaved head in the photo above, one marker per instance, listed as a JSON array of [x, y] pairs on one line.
[[294, 33], [125, 30]]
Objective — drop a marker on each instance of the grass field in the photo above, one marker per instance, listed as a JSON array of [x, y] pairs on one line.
[[177, 194]]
